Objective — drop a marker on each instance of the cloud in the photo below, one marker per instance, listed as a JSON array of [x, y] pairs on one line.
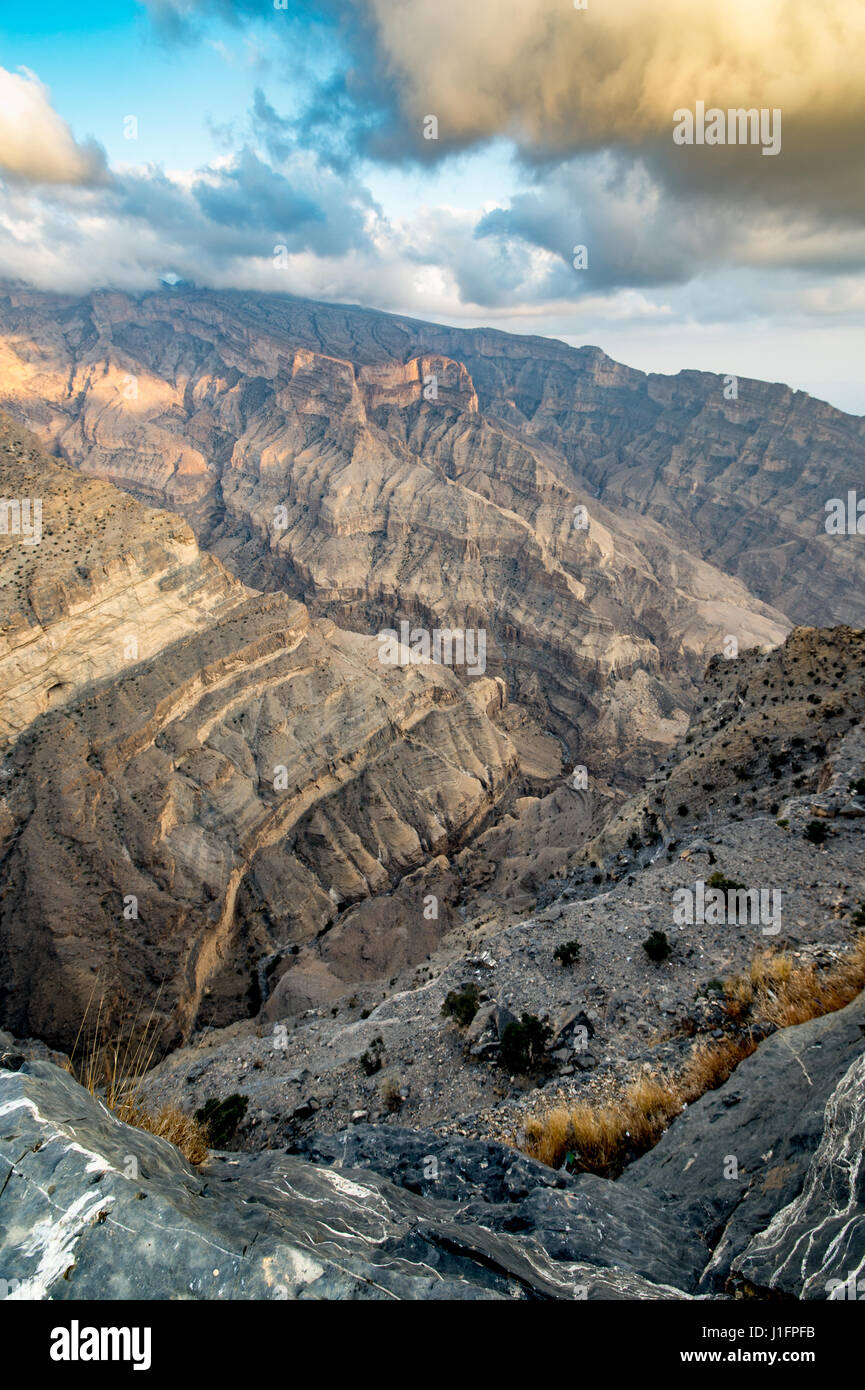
[[559, 82], [36, 146], [571, 116]]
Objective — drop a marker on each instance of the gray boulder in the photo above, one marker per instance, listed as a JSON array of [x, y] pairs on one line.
[[92, 1209], [814, 1248]]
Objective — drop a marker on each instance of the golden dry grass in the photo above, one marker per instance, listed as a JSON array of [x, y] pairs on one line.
[[603, 1137], [169, 1122], [112, 1066], [776, 990]]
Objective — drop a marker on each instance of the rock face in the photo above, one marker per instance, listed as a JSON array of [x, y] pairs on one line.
[[91, 1209], [778, 747], [770, 1117], [103, 583], [381, 470], [815, 1247], [238, 780]]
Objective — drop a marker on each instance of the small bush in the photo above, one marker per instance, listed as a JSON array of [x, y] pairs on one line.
[[717, 880], [816, 831], [220, 1118], [372, 1058], [523, 1043], [568, 953], [656, 946], [391, 1095], [462, 1004]]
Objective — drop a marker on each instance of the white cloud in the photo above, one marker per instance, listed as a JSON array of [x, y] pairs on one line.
[[35, 144]]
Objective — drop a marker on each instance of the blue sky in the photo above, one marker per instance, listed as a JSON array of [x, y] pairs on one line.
[[105, 61], [259, 128]]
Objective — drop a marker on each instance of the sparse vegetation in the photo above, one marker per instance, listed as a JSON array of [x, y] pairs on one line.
[[462, 1004], [568, 953], [778, 990], [656, 946], [523, 1043], [603, 1138], [112, 1067]]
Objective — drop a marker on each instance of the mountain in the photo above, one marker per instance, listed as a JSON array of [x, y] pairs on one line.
[[785, 729], [390, 906], [99, 583], [381, 470], [176, 817]]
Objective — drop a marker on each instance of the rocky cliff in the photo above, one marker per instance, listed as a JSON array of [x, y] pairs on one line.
[[102, 585], [373, 469], [185, 814], [92, 1209]]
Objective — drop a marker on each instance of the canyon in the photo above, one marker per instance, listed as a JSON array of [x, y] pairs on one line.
[[245, 809]]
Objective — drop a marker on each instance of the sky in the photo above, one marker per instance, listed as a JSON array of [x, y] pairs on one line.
[[237, 144]]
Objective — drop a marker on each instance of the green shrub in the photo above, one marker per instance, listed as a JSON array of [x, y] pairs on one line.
[[568, 953], [372, 1058], [816, 831], [717, 880], [462, 1004], [221, 1117], [523, 1043], [656, 946]]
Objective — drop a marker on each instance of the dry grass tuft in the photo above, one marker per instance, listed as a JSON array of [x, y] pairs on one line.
[[776, 990], [112, 1066], [603, 1138], [171, 1123]]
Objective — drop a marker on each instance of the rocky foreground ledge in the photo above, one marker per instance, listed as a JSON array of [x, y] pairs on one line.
[[93, 1209]]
